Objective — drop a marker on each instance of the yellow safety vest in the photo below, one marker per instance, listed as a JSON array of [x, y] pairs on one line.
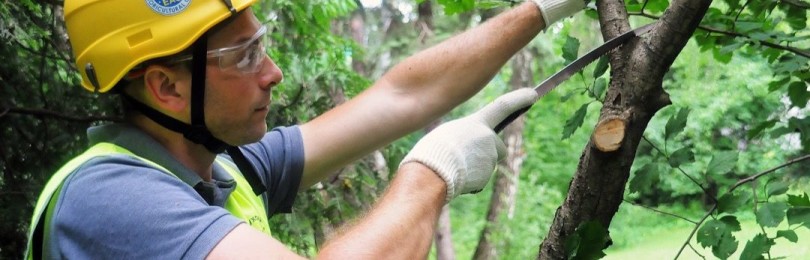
[[242, 202]]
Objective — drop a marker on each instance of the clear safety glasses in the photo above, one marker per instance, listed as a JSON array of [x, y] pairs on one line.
[[246, 57]]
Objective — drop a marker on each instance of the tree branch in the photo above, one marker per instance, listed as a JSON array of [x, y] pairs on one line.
[[735, 186], [659, 211], [758, 175], [796, 3], [681, 170], [54, 114], [794, 50]]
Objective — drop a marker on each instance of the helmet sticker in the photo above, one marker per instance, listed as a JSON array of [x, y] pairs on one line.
[[168, 7]]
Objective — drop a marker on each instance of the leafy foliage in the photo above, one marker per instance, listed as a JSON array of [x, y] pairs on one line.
[[756, 248], [717, 234], [731, 202], [588, 241], [575, 121]]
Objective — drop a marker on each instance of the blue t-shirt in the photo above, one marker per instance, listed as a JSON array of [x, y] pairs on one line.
[[119, 207]]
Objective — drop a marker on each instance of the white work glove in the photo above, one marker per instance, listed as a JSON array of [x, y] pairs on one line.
[[555, 10], [465, 151]]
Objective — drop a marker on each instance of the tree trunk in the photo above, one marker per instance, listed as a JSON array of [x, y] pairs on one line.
[[635, 95], [504, 192]]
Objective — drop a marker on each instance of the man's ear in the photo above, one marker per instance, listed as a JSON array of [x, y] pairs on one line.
[[166, 88]]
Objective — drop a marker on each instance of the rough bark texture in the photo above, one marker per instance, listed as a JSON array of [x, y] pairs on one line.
[[504, 192], [635, 91]]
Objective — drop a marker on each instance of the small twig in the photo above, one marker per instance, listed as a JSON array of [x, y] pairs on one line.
[[659, 211], [794, 50], [734, 25], [696, 252], [756, 176], [644, 6], [796, 3], [694, 230], [756, 204], [681, 170]]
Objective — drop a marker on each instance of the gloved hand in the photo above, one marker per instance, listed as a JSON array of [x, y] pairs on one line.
[[464, 151], [554, 10]]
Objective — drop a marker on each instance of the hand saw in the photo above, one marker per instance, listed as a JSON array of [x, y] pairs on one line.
[[576, 66]]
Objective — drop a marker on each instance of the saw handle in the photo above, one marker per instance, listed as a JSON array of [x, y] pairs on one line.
[[511, 117]]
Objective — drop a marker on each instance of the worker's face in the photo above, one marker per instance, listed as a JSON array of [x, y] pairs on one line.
[[237, 98]]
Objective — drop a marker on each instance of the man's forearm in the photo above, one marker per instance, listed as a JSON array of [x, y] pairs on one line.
[[454, 70], [401, 225], [415, 92]]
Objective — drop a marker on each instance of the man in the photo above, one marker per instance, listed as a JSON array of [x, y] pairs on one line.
[[196, 82]]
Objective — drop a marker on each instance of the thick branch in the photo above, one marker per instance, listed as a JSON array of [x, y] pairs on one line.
[[675, 28], [54, 114], [794, 50], [612, 18]]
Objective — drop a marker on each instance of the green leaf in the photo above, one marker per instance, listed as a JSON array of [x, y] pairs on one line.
[[601, 67], [725, 247], [570, 49], [657, 6], [777, 188], [730, 202], [717, 234], [599, 88], [799, 215], [457, 6], [722, 57], [575, 121], [797, 91], [722, 162], [756, 247], [567, 96], [681, 156], [588, 241], [645, 178], [777, 84], [771, 214], [789, 234], [710, 233], [799, 200], [754, 132], [731, 223], [745, 27], [676, 123]]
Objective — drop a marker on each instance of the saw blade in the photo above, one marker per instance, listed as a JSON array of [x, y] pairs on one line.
[[577, 65]]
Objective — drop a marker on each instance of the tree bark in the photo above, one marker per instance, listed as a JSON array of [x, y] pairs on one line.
[[635, 95], [505, 190]]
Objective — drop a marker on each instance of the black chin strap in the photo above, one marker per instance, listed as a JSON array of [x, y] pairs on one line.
[[197, 132]]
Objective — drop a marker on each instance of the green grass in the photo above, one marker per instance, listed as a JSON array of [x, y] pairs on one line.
[[643, 234]]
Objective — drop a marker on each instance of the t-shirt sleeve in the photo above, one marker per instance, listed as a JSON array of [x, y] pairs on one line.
[[119, 208], [279, 158]]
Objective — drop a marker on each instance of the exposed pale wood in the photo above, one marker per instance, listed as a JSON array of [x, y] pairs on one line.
[[609, 134]]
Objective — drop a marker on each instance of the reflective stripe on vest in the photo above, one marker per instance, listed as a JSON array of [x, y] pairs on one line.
[[242, 203]]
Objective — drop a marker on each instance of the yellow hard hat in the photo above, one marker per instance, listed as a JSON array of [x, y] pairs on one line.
[[110, 37]]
